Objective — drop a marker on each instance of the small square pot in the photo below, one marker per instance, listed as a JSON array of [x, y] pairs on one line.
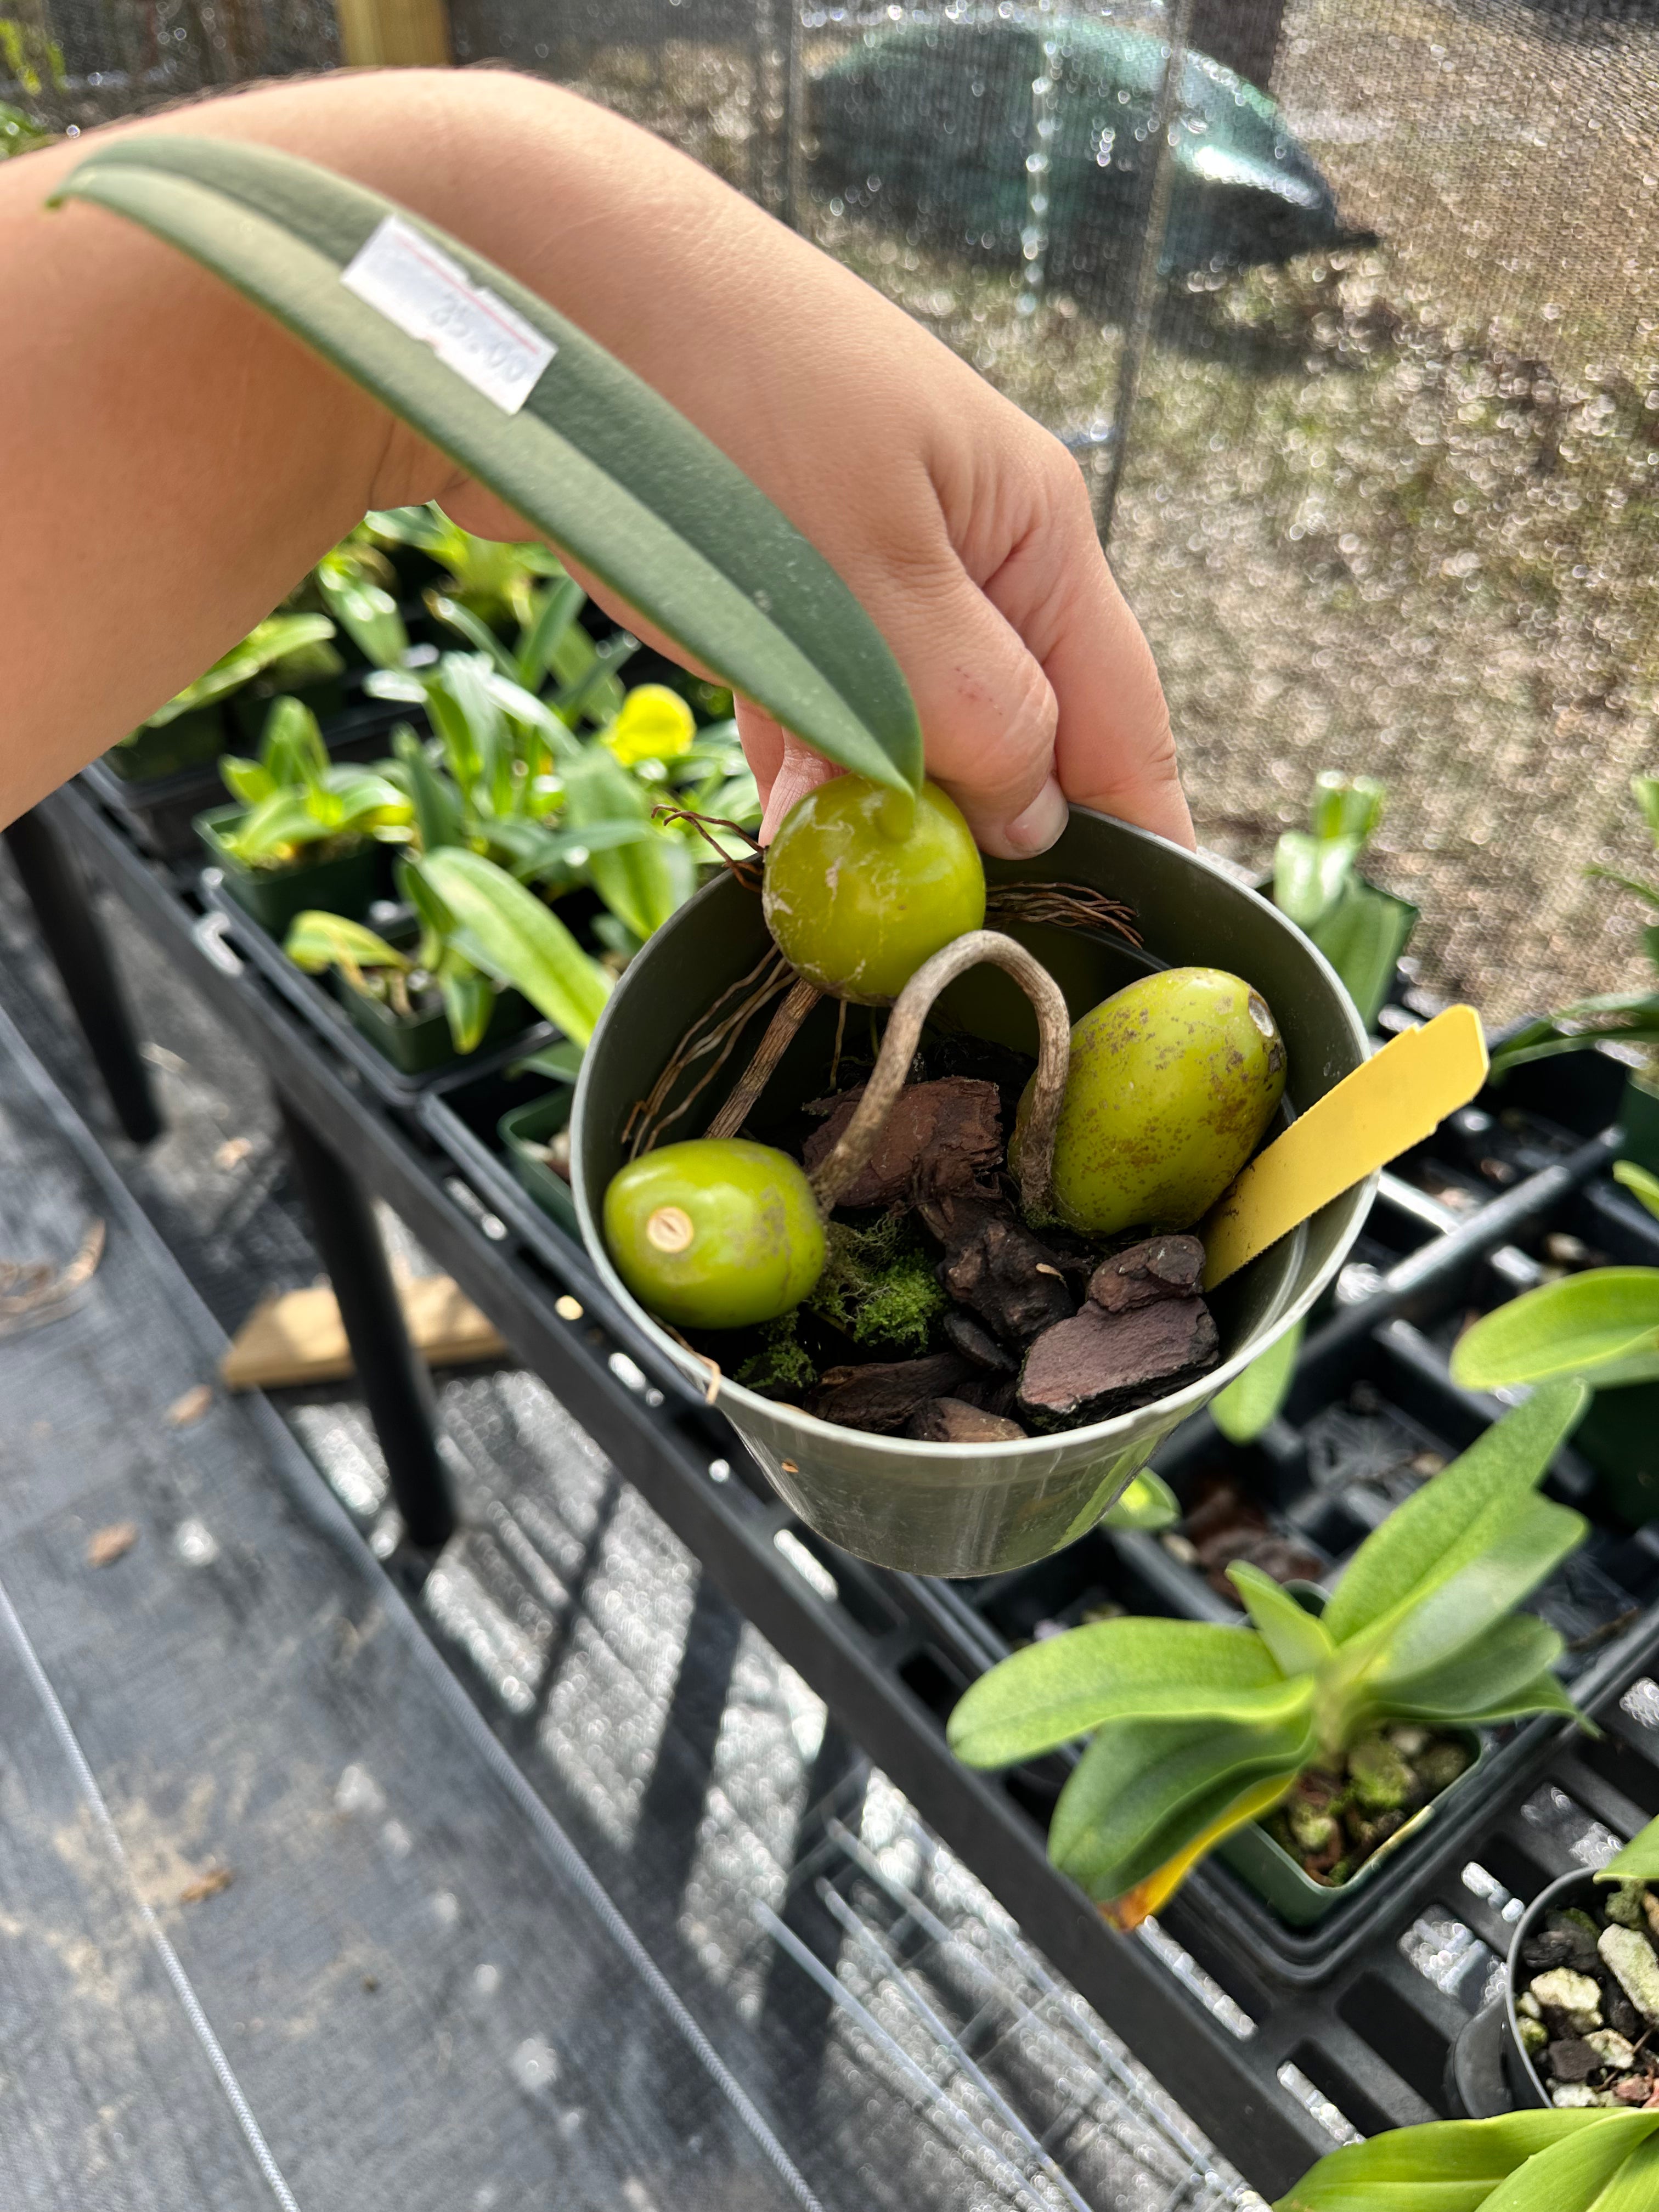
[[344, 884], [189, 741], [423, 1045], [246, 709], [1297, 1898], [533, 1126]]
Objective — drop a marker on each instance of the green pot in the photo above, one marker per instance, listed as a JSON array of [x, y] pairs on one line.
[[246, 709], [344, 884], [1619, 1437], [960, 1509], [523, 1132], [423, 1046], [195, 739], [1638, 1126], [1295, 1897]]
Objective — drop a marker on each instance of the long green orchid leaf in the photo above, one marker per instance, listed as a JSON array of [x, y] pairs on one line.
[[586, 451], [1428, 1538], [1635, 2187], [1063, 1687], [1571, 2176], [1145, 1790], [1449, 2166], [522, 941], [1578, 1326], [645, 880], [1516, 1545], [1362, 936], [316, 940], [1502, 1673]]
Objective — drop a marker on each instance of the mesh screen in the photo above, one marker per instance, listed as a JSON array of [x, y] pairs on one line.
[[1364, 365]]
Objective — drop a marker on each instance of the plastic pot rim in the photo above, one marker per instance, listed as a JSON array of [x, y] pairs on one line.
[[1546, 1900]]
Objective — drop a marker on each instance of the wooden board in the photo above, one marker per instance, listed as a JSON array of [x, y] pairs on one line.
[[299, 1337]]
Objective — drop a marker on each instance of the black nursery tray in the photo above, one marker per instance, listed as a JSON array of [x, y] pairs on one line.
[[323, 1010], [1272, 2047], [161, 813]]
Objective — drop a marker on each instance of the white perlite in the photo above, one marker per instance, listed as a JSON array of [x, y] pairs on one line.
[[1575, 1996], [1631, 1960]]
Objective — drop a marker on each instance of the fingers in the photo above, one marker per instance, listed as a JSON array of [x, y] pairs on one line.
[[1113, 747], [785, 769]]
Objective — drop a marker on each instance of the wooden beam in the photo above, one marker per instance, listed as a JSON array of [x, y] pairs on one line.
[[394, 33]]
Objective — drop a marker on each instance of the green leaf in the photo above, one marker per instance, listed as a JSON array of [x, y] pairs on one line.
[[291, 745], [1637, 1862], [1639, 1183], [595, 458], [1253, 1398], [1346, 806], [1362, 936], [1057, 1690], [524, 944], [1648, 893], [555, 613], [437, 804], [1145, 1789], [244, 779], [1445, 1524], [1501, 1675], [278, 638], [644, 881], [1571, 2176], [1514, 1545], [368, 615], [1573, 1327], [316, 940], [477, 634], [1449, 2166], [1299, 1642], [1310, 874], [1635, 2187], [1645, 791], [468, 1001], [1148, 1502]]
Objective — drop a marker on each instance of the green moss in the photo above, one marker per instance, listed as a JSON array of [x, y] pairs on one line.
[[783, 1364], [878, 1285]]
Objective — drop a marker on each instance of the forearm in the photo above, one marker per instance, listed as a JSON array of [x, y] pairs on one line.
[[175, 462]]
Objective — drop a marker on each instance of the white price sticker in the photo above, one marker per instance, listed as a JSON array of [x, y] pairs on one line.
[[414, 284]]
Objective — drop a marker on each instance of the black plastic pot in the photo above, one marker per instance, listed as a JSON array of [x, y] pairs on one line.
[[246, 709], [525, 1132], [190, 742], [422, 1045], [1525, 2082], [344, 884]]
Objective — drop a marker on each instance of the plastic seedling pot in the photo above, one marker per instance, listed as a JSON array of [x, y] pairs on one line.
[[423, 1044], [1256, 1857], [958, 1508], [1579, 1889], [344, 884], [190, 740], [524, 1134]]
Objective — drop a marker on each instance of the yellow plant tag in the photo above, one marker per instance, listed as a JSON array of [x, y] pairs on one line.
[[1381, 1110]]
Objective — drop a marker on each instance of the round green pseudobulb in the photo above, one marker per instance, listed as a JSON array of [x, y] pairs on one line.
[[1171, 1083], [714, 1233], [856, 901]]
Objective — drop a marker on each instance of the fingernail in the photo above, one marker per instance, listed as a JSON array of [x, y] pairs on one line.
[[802, 771], [1043, 822]]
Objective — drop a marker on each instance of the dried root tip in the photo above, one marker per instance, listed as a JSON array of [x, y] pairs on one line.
[[779, 1036], [840, 1170]]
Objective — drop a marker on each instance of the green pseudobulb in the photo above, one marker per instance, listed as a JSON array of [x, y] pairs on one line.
[[714, 1233], [860, 890], [1172, 1082]]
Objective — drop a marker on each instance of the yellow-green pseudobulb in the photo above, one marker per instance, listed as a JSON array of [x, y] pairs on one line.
[[857, 907], [714, 1233], [1172, 1082]]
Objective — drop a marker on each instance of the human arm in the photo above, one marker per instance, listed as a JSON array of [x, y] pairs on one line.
[[177, 462]]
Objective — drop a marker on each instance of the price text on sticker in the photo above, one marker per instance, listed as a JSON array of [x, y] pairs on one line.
[[414, 284]]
